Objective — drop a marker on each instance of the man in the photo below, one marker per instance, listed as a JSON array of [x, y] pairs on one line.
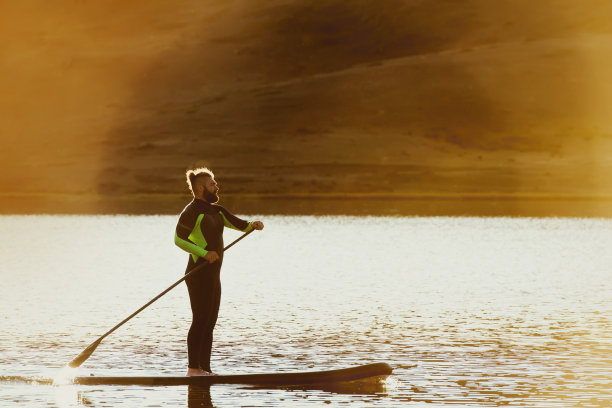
[[200, 232]]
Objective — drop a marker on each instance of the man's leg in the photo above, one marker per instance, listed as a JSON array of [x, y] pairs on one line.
[[199, 308], [209, 326]]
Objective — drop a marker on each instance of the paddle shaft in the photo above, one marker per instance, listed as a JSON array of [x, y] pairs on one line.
[[90, 349]]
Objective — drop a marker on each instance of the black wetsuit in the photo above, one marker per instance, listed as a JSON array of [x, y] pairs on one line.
[[200, 230]]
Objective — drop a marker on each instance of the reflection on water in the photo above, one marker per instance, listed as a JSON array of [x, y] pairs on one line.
[[369, 386], [199, 397], [69, 395], [468, 311]]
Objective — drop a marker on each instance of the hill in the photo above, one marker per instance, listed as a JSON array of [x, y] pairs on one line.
[[396, 99]]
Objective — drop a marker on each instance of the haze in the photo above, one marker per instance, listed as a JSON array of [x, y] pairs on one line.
[[398, 99]]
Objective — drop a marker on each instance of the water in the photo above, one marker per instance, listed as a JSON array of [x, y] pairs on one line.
[[468, 311]]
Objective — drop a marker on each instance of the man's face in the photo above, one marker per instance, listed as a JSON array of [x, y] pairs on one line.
[[210, 190]]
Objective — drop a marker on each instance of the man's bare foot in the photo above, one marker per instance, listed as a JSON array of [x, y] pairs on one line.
[[193, 372]]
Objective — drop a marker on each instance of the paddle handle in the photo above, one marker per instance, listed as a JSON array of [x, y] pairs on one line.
[[197, 268], [194, 270], [238, 239]]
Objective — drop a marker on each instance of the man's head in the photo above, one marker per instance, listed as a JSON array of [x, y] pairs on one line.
[[202, 184]]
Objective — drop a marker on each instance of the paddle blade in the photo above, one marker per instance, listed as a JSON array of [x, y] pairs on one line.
[[80, 359]]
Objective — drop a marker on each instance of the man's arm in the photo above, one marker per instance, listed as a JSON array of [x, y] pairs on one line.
[[185, 235], [231, 221]]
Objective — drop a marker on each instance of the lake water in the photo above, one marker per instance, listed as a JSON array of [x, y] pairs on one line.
[[468, 311]]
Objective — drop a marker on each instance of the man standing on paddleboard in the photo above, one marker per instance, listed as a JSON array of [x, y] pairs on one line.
[[200, 232]]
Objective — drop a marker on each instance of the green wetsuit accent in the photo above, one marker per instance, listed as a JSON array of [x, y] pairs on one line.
[[195, 243], [199, 227]]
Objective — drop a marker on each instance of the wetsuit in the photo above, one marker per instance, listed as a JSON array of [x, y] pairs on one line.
[[200, 230]]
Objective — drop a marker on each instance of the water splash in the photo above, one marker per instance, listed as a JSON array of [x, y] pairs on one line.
[[65, 376]]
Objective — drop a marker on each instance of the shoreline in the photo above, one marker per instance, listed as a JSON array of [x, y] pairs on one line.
[[359, 204]]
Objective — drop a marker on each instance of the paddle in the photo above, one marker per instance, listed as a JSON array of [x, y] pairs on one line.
[[80, 359]]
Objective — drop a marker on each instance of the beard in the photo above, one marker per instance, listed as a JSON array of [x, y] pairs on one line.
[[210, 197]]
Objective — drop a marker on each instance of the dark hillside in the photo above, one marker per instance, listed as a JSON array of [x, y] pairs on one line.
[[283, 97]]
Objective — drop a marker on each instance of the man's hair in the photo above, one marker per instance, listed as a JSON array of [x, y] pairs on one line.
[[194, 174]]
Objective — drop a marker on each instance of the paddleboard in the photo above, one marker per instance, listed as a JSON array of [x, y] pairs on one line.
[[279, 379]]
